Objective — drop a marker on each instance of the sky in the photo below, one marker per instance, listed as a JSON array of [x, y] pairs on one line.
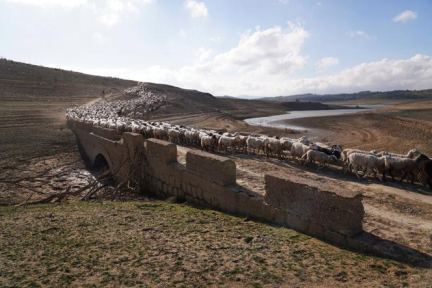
[[256, 48]]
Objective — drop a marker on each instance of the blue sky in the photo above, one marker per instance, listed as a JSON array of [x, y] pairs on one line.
[[236, 47]]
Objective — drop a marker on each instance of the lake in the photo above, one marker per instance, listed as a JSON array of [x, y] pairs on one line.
[[271, 121]]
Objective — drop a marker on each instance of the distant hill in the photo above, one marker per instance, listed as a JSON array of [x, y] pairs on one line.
[[396, 95], [27, 82], [21, 81]]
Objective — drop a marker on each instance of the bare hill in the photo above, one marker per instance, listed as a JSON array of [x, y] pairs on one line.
[[34, 100]]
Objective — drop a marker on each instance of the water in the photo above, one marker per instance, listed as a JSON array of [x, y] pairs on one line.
[[272, 121]]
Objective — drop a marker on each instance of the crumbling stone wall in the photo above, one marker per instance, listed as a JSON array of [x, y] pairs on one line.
[[210, 180]]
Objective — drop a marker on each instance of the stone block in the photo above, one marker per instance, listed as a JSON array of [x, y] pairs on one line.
[[82, 126], [297, 223], [106, 133], [325, 204], [335, 237], [181, 193], [227, 199], [214, 168], [162, 150], [133, 140]]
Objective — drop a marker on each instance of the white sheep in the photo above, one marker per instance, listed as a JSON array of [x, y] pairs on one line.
[[404, 165], [275, 146], [208, 142], [370, 163], [227, 142], [257, 143], [411, 154], [304, 140], [298, 150], [174, 135], [320, 157]]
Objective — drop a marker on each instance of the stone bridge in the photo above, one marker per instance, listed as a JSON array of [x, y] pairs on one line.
[[331, 213], [210, 180]]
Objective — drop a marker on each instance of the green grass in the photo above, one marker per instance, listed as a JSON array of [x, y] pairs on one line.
[[154, 243]]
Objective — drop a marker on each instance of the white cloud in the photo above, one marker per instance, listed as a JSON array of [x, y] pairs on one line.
[[98, 36], [51, 3], [114, 10], [360, 33], [271, 51], [215, 39], [109, 12], [182, 33], [285, 2], [260, 57], [197, 9], [383, 75], [204, 54], [326, 62], [387, 74], [405, 16]]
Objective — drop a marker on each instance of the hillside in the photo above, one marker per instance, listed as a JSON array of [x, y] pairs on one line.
[[35, 98], [360, 97], [34, 101]]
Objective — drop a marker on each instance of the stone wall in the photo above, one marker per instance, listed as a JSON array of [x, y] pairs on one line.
[[209, 180]]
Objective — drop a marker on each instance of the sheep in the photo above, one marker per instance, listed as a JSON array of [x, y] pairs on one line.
[[275, 146], [298, 150], [371, 163], [189, 137], [347, 152], [226, 141], [304, 140], [405, 165], [109, 115], [411, 154], [174, 135], [159, 133], [286, 143], [208, 142], [136, 128], [320, 157], [344, 157], [257, 143], [241, 143], [425, 169], [325, 149]]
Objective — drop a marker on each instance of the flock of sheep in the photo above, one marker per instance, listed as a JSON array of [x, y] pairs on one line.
[[108, 115]]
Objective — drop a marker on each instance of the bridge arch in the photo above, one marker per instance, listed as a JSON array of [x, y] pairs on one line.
[[101, 162]]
